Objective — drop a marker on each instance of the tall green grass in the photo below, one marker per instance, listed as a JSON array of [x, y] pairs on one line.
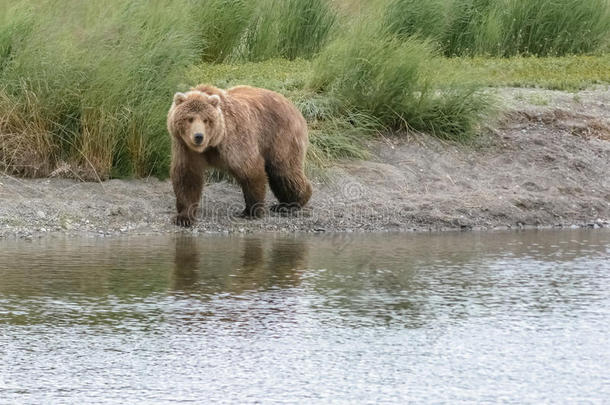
[[255, 30], [372, 72], [15, 26], [94, 81], [221, 28], [287, 29], [88, 85], [505, 27], [545, 27]]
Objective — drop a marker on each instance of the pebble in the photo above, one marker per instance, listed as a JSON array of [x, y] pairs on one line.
[[41, 214]]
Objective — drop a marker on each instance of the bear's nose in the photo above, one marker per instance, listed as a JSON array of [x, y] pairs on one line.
[[198, 138]]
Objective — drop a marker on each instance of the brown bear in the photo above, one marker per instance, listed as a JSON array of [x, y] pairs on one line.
[[256, 135]]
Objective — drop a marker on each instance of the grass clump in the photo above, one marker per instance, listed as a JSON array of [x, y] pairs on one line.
[[371, 72], [545, 27], [505, 27], [452, 24], [287, 29], [98, 95], [256, 30], [221, 26]]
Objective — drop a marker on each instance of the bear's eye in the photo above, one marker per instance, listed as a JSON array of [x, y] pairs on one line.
[[206, 121], [190, 119]]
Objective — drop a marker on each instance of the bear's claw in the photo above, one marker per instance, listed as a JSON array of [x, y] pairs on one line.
[[183, 220]]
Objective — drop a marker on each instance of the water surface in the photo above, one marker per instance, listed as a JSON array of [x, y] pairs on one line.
[[512, 317]]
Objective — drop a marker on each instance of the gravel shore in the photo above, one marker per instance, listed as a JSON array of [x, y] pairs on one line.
[[546, 164]]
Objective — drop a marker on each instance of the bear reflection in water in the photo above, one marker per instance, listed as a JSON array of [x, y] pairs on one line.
[[254, 264]]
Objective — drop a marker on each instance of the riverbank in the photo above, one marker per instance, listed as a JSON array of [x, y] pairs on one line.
[[545, 164]]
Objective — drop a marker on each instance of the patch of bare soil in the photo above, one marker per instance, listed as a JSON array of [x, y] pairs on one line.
[[546, 163]]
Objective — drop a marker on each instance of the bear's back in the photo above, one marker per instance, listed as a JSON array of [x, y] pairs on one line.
[[275, 115]]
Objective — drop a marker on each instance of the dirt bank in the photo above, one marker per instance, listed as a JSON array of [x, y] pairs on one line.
[[547, 163]]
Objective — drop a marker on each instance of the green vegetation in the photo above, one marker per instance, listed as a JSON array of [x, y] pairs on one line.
[[87, 85], [505, 27], [247, 30], [373, 73], [556, 73]]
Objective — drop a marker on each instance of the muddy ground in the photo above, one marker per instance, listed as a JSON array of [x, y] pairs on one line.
[[546, 163]]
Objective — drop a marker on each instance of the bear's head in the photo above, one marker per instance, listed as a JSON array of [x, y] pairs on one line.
[[196, 119]]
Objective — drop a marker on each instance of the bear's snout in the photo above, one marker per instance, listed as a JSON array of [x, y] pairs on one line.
[[198, 138]]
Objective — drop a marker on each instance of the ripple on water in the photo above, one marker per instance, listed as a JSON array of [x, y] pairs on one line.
[[515, 317]]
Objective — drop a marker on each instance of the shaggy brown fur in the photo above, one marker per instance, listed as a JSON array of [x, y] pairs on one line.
[[256, 135]]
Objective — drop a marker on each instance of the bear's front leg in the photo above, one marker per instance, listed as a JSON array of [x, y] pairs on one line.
[[187, 174], [188, 186]]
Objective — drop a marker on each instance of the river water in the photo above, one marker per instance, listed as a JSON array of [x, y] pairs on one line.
[[511, 317]]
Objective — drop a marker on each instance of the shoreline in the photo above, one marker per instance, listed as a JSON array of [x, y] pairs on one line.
[[546, 164], [603, 225]]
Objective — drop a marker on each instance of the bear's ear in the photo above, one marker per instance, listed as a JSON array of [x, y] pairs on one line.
[[214, 100], [179, 98]]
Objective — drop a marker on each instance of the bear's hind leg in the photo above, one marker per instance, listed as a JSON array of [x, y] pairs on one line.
[[291, 188]]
